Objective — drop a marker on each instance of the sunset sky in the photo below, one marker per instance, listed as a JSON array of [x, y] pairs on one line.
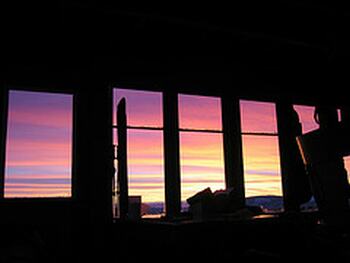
[[39, 145]]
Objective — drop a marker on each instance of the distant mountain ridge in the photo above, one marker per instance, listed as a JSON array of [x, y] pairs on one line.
[[275, 203], [268, 203]]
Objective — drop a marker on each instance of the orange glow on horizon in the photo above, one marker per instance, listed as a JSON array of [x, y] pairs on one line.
[[261, 159], [202, 162], [261, 166]]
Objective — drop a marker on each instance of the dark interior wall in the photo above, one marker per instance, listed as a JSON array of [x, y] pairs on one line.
[[255, 50], [280, 48], [261, 51]]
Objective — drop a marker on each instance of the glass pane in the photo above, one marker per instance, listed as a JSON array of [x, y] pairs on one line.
[[202, 163], [39, 145], [145, 169], [199, 112], [261, 166], [143, 108], [258, 117]]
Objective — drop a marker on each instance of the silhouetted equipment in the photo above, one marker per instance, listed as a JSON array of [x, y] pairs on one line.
[[206, 203], [122, 174], [134, 203], [323, 153], [326, 117], [296, 185]]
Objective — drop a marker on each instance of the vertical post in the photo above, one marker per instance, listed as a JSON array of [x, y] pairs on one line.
[[3, 129], [94, 155], [231, 122], [171, 154], [295, 183], [284, 140], [122, 177]]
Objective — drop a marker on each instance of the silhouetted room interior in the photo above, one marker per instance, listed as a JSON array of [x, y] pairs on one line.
[[143, 132]]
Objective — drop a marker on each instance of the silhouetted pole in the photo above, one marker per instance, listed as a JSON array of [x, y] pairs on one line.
[[232, 139], [3, 129], [171, 154], [93, 155], [122, 175], [295, 181]]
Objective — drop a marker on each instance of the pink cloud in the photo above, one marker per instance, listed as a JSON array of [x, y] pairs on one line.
[[39, 144], [258, 117], [199, 112], [143, 108]]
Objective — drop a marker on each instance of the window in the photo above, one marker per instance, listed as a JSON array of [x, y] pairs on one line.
[[145, 147], [201, 147], [260, 149], [39, 145]]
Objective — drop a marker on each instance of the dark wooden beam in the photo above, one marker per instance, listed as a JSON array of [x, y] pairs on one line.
[[232, 140], [122, 177], [295, 182], [171, 154], [94, 151], [3, 129]]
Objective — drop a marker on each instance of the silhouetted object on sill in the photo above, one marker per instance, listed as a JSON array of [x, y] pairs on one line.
[[207, 204], [323, 157], [122, 174], [200, 203], [297, 190], [134, 211]]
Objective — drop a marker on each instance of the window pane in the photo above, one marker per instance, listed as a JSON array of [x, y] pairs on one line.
[[145, 168], [143, 108], [259, 117], [199, 112], [39, 145], [202, 163], [261, 165], [306, 117]]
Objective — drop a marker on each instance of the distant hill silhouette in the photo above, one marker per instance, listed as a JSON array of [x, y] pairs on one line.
[[268, 203], [271, 203]]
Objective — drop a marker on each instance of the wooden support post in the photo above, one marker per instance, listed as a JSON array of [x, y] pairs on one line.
[[295, 182], [171, 154], [94, 151], [3, 129], [232, 139], [122, 177]]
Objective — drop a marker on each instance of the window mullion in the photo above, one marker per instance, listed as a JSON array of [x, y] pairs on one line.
[[171, 154], [232, 142], [3, 130]]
